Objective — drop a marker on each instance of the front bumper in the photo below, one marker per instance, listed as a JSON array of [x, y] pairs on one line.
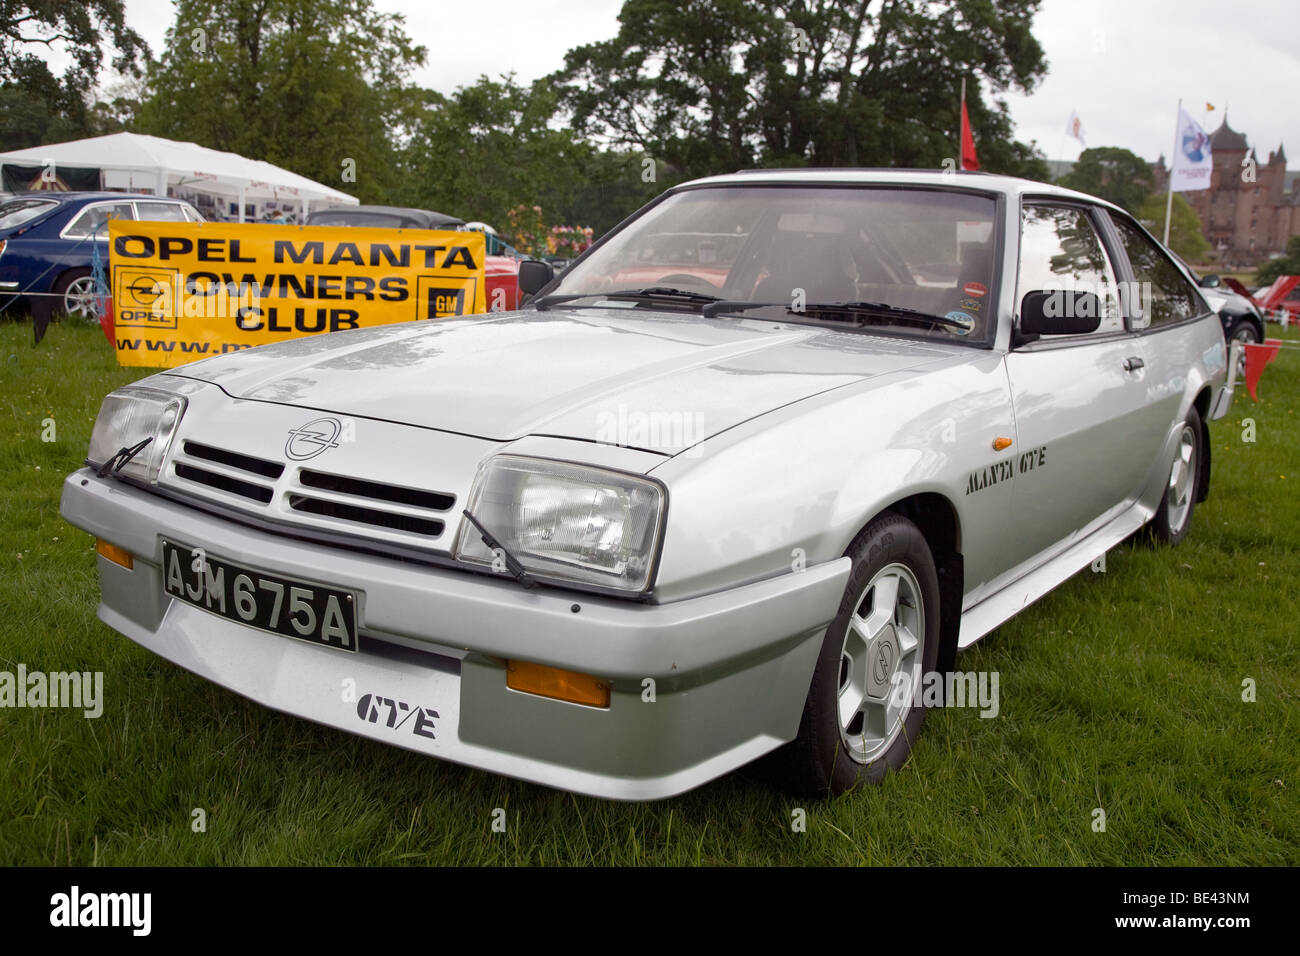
[[1223, 401], [729, 671]]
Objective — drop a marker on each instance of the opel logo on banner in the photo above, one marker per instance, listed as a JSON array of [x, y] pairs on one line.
[[308, 441]]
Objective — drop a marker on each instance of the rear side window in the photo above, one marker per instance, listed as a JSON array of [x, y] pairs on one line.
[[1060, 250], [93, 220], [15, 212], [1164, 294], [160, 211]]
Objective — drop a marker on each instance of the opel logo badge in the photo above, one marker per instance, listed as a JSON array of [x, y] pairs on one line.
[[882, 663], [308, 441]]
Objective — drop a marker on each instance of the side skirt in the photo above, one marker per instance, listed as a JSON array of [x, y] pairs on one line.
[[1001, 606]]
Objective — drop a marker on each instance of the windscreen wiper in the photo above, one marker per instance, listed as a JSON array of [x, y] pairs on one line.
[[513, 565], [862, 309], [650, 292], [121, 457], [887, 311]]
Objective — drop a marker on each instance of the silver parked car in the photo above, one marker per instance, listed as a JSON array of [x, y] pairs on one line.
[[738, 483]]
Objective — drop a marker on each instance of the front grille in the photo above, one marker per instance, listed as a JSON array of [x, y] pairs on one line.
[[398, 513], [379, 519], [229, 471], [258, 466], [361, 488], [234, 486], [392, 508]]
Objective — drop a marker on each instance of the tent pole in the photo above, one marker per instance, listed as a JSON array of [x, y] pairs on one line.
[[241, 204]]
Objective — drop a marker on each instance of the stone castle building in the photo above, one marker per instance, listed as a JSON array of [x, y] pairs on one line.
[[1252, 206]]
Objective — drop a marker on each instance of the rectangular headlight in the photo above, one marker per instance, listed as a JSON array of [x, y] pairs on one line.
[[127, 417], [573, 522]]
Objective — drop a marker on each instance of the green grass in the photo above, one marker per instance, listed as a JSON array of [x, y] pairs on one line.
[[1119, 690]]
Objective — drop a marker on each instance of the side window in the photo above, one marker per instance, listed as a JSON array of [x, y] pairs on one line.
[[160, 211], [1060, 250], [92, 221], [1163, 293]]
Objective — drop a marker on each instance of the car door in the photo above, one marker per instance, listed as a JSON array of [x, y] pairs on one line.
[[1162, 299], [1080, 399]]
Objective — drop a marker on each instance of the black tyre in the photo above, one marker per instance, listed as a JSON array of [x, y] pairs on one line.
[[1173, 518], [76, 292], [864, 710], [1244, 331]]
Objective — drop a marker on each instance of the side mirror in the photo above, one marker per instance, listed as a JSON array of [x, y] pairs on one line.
[[1211, 282], [533, 276], [1059, 312]]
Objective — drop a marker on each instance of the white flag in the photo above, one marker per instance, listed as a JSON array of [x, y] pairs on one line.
[[1074, 127], [1192, 163]]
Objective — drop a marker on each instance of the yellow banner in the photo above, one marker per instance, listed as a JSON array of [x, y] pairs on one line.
[[184, 291]]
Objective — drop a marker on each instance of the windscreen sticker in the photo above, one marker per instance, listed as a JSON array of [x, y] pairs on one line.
[[976, 289], [964, 318]]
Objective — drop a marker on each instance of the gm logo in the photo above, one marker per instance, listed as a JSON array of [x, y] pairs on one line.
[[444, 302], [308, 441], [434, 300]]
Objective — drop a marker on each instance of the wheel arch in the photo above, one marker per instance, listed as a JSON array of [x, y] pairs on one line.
[[936, 518], [69, 275], [1202, 406]]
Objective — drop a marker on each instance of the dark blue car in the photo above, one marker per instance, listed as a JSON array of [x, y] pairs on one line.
[[48, 242]]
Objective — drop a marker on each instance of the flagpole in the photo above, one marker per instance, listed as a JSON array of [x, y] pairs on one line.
[[1173, 159], [961, 146]]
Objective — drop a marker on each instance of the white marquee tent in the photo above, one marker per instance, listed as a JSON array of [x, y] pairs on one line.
[[139, 163]]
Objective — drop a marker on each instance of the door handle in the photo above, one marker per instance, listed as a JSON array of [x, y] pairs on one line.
[[1133, 363]]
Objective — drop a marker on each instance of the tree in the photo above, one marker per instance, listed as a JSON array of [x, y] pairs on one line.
[[1185, 234], [1288, 264], [316, 86], [36, 106], [491, 147], [706, 86], [1113, 174]]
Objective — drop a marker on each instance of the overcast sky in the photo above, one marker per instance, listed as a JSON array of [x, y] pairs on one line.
[[1122, 64]]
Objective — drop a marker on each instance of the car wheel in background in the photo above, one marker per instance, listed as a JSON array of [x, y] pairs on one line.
[[1174, 515], [864, 710], [1244, 331], [77, 298]]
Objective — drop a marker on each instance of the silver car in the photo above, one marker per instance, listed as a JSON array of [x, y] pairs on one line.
[[739, 483]]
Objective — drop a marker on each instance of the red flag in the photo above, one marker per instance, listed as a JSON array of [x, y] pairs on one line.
[[106, 319], [968, 158], [1257, 356]]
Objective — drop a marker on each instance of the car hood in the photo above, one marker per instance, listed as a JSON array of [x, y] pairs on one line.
[[1223, 298], [645, 379]]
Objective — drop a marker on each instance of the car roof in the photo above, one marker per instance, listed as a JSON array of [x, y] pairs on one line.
[[1012, 186], [87, 196], [420, 215]]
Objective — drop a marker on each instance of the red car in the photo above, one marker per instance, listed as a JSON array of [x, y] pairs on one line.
[[501, 265], [1283, 296]]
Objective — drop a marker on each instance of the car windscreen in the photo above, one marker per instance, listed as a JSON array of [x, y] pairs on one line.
[[15, 212], [900, 249]]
